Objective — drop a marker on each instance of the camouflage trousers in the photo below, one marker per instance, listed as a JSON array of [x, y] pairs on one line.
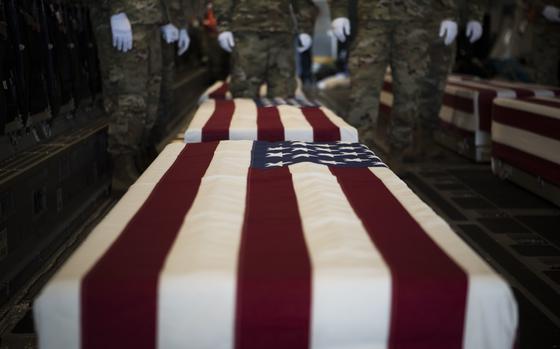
[[545, 54], [131, 85], [432, 85], [403, 47], [259, 58]]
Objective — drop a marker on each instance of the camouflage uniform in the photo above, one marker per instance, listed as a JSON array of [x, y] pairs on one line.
[[395, 34], [264, 43], [132, 80], [441, 59], [545, 53], [179, 12]]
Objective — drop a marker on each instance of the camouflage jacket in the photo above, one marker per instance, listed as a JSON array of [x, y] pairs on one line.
[[147, 11], [265, 15], [472, 10], [397, 10]]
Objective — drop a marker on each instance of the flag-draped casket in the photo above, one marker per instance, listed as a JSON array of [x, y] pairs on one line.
[[267, 120], [240, 244], [526, 142], [466, 113]]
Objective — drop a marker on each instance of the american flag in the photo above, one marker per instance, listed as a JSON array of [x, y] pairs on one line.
[[267, 120], [526, 135], [468, 101], [241, 244]]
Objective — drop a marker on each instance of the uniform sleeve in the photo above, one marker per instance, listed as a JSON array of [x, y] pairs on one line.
[[177, 12], [306, 13], [476, 9], [339, 8], [118, 6], [223, 10]]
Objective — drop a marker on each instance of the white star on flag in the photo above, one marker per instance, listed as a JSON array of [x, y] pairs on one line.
[[276, 155], [277, 164], [304, 156]]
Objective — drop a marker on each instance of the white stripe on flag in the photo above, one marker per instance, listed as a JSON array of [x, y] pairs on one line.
[[348, 133], [526, 141], [244, 121], [464, 121], [295, 124], [351, 282], [198, 283], [62, 294], [201, 117], [492, 317]]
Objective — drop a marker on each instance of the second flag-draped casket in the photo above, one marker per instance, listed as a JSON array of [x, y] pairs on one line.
[[267, 120], [466, 113], [241, 244], [526, 138]]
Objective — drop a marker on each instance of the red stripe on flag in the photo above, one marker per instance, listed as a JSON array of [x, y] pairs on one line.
[[221, 92], [324, 130], [274, 276], [217, 127], [548, 170], [119, 294], [269, 125], [532, 122], [429, 290]]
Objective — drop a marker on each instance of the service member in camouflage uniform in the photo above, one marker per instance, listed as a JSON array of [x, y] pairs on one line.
[[432, 86], [544, 17], [396, 34], [129, 34], [261, 34]]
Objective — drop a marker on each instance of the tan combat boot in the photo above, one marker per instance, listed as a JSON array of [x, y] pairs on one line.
[[427, 148], [125, 173], [401, 159]]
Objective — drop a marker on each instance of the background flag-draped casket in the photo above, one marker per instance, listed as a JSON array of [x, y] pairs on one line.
[[274, 245], [267, 120]]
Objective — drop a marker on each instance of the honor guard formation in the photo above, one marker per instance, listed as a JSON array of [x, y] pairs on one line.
[[280, 174]]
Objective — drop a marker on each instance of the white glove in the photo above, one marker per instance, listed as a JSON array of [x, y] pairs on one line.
[[184, 42], [226, 41], [122, 32], [551, 13], [170, 33], [474, 31], [448, 31], [341, 28], [304, 42]]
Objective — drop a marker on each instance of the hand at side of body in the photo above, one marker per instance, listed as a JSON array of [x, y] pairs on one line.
[[341, 28], [448, 31], [122, 32], [474, 31], [552, 13], [184, 41], [170, 33], [226, 41], [304, 42]]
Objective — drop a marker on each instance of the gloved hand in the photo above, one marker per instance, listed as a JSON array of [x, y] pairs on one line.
[[170, 33], [551, 13], [184, 42], [474, 31], [226, 41], [304, 42], [122, 32], [341, 28], [448, 31]]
